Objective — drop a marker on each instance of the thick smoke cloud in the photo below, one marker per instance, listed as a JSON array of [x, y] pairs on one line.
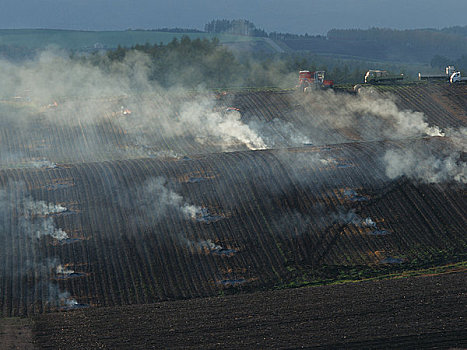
[[175, 114], [431, 162], [56, 92], [370, 115]]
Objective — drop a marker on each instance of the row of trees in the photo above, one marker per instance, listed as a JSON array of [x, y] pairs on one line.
[[245, 27], [205, 62], [185, 62], [375, 43], [236, 26], [440, 62]]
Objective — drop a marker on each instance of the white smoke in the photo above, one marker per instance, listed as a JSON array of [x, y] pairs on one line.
[[42, 164], [44, 227], [32, 207], [368, 222], [371, 116], [87, 96], [59, 298], [277, 133], [62, 270], [176, 114], [155, 200], [430, 162], [32, 217], [425, 166], [23, 220], [349, 217], [302, 161], [209, 126], [203, 245]]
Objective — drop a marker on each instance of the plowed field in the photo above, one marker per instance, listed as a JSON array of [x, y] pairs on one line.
[[273, 224], [395, 314], [109, 209]]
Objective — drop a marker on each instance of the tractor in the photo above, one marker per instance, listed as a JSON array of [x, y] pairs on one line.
[[308, 81]]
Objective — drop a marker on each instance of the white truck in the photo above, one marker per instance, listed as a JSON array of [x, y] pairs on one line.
[[457, 78], [448, 73]]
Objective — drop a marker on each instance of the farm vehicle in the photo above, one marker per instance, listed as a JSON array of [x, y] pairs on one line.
[[381, 76], [449, 71], [457, 78], [450, 75], [308, 81]]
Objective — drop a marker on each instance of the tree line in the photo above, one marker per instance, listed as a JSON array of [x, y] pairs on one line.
[[414, 45], [203, 62]]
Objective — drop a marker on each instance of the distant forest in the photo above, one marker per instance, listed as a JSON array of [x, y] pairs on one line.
[[192, 63], [345, 55], [415, 46]]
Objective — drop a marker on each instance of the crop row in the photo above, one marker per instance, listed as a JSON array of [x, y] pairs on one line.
[[175, 126], [277, 215]]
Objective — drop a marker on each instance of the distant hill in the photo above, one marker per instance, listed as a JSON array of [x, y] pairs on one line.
[[421, 46], [90, 40], [386, 44]]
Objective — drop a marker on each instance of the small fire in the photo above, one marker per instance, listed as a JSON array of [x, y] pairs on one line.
[[125, 111]]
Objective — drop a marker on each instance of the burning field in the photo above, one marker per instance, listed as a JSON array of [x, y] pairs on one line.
[[144, 195]]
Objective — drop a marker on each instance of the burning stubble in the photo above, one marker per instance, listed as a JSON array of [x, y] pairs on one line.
[[431, 161], [24, 222], [57, 92]]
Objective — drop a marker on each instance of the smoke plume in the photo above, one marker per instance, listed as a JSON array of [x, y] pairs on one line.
[[155, 200], [23, 222], [431, 161], [371, 116]]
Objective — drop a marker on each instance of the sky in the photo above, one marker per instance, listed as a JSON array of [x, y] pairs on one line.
[[292, 16]]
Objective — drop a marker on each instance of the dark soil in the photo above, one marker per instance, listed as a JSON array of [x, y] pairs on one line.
[[422, 312]]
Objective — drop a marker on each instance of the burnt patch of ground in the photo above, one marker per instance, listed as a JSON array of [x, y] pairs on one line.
[[426, 312]]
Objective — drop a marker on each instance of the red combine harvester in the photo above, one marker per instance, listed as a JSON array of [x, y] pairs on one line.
[[313, 80]]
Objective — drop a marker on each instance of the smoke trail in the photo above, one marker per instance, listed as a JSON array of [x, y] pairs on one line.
[[426, 167], [26, 217], [202, 245], [349, 217], [154, 200], [43, 227], [85, 97], [61, 270], [227, 129], [89, 100], [42, 208], [277, 132], [22, 222], [61, 299], [372, 116], [43, 164], [432, 161]]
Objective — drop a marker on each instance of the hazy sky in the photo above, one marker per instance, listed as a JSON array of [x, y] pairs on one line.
[[295, 16]]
